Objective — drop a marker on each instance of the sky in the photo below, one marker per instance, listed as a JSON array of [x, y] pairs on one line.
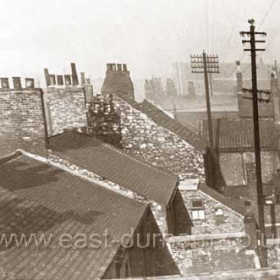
[[148, 35]]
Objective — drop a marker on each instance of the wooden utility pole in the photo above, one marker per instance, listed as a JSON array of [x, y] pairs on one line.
[[206, 64], [251, 34]]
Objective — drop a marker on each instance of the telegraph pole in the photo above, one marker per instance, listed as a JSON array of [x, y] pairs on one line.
[[206, 64], [252, 33]]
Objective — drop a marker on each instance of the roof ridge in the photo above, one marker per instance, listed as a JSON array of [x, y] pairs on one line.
[[10, 156], [121, 190], [122, 153]]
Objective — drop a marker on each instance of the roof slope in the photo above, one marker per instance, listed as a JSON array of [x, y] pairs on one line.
[[116, 166], [37, 198], [238, 134]]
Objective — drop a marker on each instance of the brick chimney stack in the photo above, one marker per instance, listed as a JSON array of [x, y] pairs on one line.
[[118, 81]]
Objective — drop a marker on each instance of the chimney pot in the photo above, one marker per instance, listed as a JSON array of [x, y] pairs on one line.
[[52, 80], [74, 74], [124, 67], [17, 83], [29, 83], [119, 67], [67, 80], [47, 76], [88, 82], [59, 80], [83, 79], [5, 83], [114, 67]]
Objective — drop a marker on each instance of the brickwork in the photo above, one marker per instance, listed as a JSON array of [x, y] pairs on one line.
[[118, 81], [66, 108], [218, 217], [21, 120]]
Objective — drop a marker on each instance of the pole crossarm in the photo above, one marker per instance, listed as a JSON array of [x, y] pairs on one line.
[[206, 64], [211, 61]]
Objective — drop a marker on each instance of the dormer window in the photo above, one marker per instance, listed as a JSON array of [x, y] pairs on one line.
[[198, 212]]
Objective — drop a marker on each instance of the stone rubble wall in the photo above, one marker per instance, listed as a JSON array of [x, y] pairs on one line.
[[66, 109], [273, 252], [156, 144], [229, 222], [208, 255]]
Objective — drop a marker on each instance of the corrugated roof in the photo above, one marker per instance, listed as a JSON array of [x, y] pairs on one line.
[[116, 166], [238, 134], [37, 198]]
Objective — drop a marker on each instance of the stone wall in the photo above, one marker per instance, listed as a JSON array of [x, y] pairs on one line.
[[135, 132], [66, 108], [212, 253], [218, 217], [273, 252], [21, 120], [156, 144]]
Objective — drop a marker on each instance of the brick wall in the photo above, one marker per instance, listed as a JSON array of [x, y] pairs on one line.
[[229, 221], [66, 108], [21, 120]]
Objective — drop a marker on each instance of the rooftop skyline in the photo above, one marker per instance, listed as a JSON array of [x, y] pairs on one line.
[[147, 35]]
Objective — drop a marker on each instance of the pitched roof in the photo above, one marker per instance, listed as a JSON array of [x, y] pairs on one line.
[[238, 134], [38, 198], [114, 165]]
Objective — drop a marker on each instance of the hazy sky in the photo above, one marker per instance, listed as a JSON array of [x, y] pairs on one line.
[[148, 35]]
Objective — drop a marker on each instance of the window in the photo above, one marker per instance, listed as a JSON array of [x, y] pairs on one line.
[[219, 212], [198, 212], [197, 204]]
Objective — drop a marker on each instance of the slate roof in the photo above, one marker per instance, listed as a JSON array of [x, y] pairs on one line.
[[38, 198], [115, 165], [238, 134]]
